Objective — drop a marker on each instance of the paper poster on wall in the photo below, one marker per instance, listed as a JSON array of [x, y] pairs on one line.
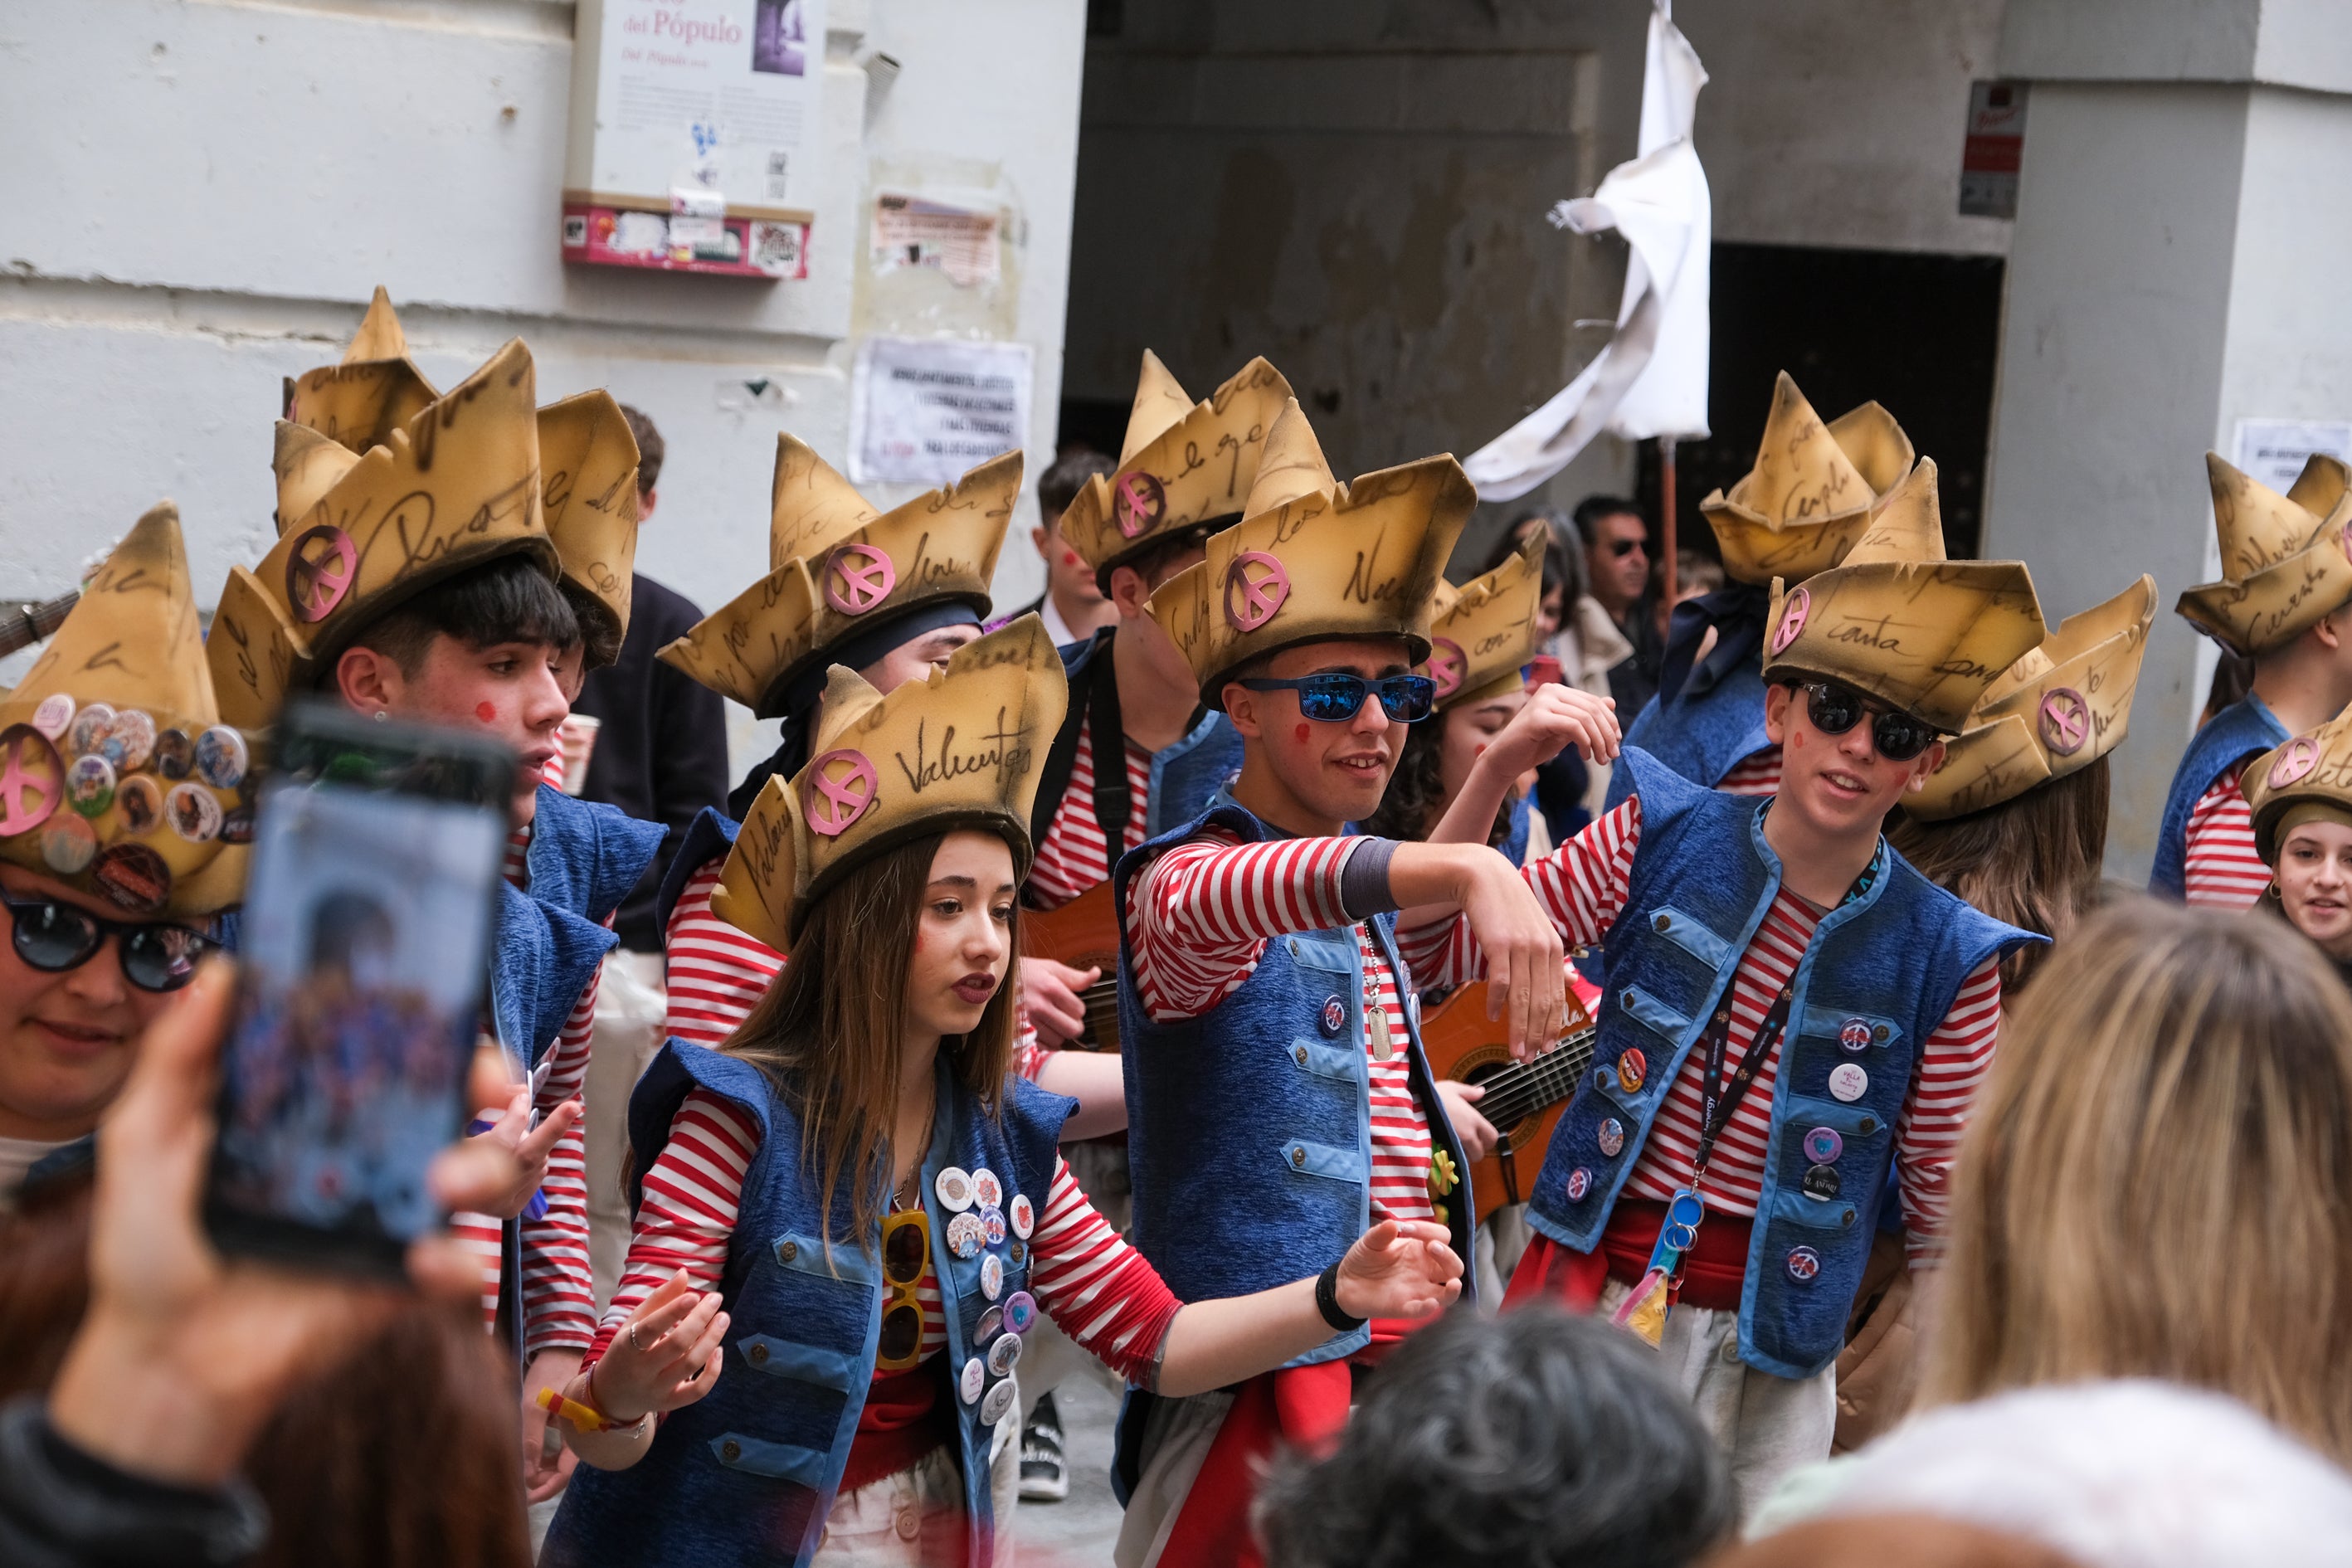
[[694, 124], [923, 410], [909, 231]]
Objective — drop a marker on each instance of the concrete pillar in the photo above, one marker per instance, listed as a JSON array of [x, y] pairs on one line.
[[2182, 218]]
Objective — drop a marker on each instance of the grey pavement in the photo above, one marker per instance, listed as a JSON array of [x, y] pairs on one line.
[[1078, 1531]]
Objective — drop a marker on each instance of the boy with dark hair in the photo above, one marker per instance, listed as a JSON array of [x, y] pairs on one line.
[[1072, 604]]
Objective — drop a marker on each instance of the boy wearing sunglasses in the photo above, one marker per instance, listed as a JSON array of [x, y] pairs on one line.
[[109, 900], [1789, 1011], [1279, 1101]]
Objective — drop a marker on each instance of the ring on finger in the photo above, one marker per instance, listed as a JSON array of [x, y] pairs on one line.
[[633, 1340]]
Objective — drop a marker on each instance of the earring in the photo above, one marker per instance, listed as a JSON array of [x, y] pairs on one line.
[[2273, 892], [381, 715]]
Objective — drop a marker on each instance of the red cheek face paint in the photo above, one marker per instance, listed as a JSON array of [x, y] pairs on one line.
[[486, 713], [1070, 558], [1301, 734]]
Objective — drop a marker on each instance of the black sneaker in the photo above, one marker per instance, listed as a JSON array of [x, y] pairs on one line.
[[1044, 1475]]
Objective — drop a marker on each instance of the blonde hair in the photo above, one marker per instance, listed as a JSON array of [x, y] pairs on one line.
[[2157, 1179]]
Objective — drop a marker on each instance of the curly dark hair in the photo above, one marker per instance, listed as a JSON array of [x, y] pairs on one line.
[[1416, 794], [1536, 1438]]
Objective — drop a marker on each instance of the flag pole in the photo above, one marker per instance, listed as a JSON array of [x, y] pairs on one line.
[[1666, 529]]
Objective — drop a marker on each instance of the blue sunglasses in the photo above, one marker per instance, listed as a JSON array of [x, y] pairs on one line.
[[1334, 699]]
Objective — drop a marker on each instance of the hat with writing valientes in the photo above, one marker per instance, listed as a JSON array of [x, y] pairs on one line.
[[2286, 560], [2310, 776], [958, 749], [1811, 492], [2055, 712], [1314, 560], [1898, 622], [840, 571], [1483, 632], [1184, 469], [360, 534]]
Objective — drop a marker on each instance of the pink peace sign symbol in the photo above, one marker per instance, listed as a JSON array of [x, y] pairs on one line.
[[28, 765], [2065, 721], [1447, 666], [833, 803], [2296, 763], [857, 577], [1792, 620], [1262, 594], [319, 572], [1139, 501]]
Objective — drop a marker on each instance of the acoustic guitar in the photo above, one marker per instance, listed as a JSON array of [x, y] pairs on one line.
[[28, 624], [1084, 934], [1524, 1100]]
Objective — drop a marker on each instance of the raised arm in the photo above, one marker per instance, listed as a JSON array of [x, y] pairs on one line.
[[1555, 717]]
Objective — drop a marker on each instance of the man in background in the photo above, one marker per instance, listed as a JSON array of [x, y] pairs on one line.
[[1617, 563], [1072, 605]]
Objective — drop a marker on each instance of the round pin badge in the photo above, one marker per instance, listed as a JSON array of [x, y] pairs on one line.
[[129, 740], [1610, 1136], [973, 1378], [1004, 1353], [1022, 1214], [1822, 1145], [1018, 1252], [999, 1402], [1854, 1035], [55, 714], [1848, 1082], [1803, 1264], [955, 1187], [1335, 1015], [1257, 585], [832, 802], [141, 801], [1633, 1070], [990, 1324], [966, 1235], [857, 577], [194, 812], [221, 757], [1579, 1182], [90, 785], [992, 1275], [2065, 721], [134, 877], [175, 753], [320, 566], [1822, 1183], [986, 1189], [69, 844], [88, 728], [32, 780], [1136, 502], [993, 1221], [1021, 1311], [236, 828]]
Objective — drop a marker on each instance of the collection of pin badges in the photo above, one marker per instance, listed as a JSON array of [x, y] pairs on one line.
[[73, 764], [980, 1220]]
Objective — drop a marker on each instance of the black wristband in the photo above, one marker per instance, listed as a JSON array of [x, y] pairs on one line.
[[1326, 1301], [1364, 879]]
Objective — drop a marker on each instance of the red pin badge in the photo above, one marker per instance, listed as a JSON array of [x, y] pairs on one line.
[[833, 802], [320, 569], [1136, 502], [1263, 585], [1792, 620], [1447, 666], [2065, 721], [857, 577]]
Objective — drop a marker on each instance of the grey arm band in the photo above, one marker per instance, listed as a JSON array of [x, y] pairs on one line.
[[1364, 879]]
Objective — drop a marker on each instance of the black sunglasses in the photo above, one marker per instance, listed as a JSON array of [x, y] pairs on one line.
[[1836, 709], [1621, 548], [54, 937], [1334, 697]]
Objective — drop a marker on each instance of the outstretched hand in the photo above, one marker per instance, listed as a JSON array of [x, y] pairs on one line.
[[532, 1147], [1555, 717], [1399, 1269], [665, 1356]]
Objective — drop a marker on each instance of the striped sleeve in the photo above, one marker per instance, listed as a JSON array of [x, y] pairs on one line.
[[1202, 911], [558, 1292], [1582, 885], [2225, 871], [716, 973], [692, 1194], [1101, 1291], [1952, 1064]]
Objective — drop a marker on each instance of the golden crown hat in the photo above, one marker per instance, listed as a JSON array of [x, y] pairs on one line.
[[1184, 467], [588, 485], [1897, 621], [838, 567], [457, 486], [2313, 769], [1483, 632], [2286, 560], [2055, 712], [958, 749], [1811, 492], [376, 389], [1317, 561], [117, 776]]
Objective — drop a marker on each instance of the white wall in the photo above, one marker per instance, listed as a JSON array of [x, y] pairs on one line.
[[197, 199]]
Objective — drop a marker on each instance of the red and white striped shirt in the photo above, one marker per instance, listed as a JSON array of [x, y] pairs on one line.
[[1075, 856], [1758, 773], [1583, 887], [1198, 918], [2225, 871], [1101, 1291]]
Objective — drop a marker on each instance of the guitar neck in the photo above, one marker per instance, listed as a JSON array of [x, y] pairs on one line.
[[28, 624], [1523, 1088]]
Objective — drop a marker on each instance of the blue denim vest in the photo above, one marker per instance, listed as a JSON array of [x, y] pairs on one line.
[[1249, 1129], [2237, 731], [1702, 736], [1185, 775], [707, 838], [747, 1474], [1877, 979]]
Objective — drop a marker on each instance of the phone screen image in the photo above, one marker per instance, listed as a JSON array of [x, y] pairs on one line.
[[362, 966]]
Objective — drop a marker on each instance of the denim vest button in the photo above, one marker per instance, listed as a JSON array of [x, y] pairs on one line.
[[1299, 1054], [789, 1251], [758, 1354], [1298, 1157], [730, 1450], [1625, 998], [1866, 1126], [1663, 923]]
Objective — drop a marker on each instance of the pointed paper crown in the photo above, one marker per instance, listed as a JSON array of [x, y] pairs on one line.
[[376, 389], [2055, 712], [117, 776], [1483, 632], [455, 486], [1183, 469], [837, 569], [1899, 622], [2314, 769], [1314, 560], [2284, 557], [960, 749], [588, 481], [1811, 492]]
